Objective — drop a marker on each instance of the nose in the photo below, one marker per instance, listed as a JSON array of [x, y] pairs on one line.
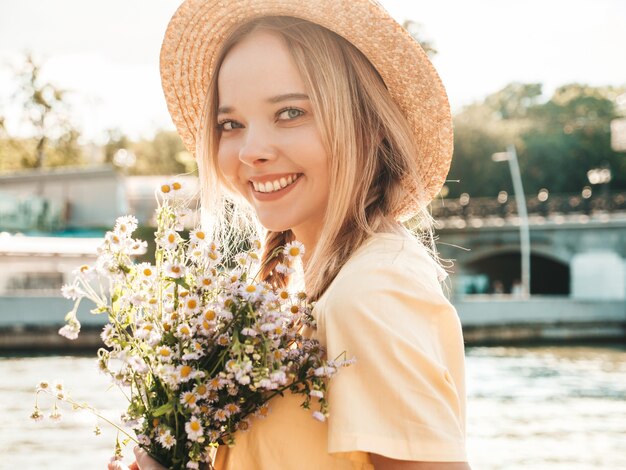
[[257, 146]]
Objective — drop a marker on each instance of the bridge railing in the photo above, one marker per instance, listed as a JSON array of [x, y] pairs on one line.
[[576, 203]]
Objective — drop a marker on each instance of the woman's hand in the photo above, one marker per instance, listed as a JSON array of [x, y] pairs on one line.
[[143, 462]]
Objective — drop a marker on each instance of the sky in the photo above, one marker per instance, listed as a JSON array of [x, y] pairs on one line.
[[106, 53]]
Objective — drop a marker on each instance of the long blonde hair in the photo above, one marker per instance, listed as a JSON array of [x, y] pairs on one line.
[[369, 142]]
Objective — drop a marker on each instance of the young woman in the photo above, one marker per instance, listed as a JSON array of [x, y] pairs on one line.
[[324, 121]]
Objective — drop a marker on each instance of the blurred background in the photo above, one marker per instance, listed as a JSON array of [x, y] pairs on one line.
[[532, 218]]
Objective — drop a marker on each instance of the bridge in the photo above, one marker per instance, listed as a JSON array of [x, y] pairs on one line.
[[578, 265]]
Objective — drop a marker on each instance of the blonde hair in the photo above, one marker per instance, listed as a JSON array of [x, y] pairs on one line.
[[371, 155]]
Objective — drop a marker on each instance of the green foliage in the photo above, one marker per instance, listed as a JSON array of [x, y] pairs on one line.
[[160, 156], [557, 141], [53, 139]]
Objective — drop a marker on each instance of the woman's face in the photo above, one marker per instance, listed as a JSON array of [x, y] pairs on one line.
[[270, 148]]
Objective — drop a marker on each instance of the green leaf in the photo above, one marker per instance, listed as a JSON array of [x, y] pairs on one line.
[[163, 409]]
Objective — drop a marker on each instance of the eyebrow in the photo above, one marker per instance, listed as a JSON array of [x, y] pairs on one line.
[[272, 100]]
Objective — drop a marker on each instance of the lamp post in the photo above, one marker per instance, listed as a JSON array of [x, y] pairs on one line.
[[511, 156]]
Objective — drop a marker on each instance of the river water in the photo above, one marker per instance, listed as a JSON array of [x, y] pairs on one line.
[[528, 408]]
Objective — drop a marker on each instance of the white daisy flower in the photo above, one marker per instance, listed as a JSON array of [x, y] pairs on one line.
[[146, 271], [194, 429], [72, 291], [197, 237], [174, 270], [166, 439], [185, 331], [170, 240], [293, 250], [164, 353], [136, 247], [189, 399], [125, 225], [191, 304]]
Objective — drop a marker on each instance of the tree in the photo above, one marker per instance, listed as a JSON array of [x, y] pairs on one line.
[[53, 140], [557, 141], [162, 155]]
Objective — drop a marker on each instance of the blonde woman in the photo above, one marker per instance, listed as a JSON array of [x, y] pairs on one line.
[[324, 122]]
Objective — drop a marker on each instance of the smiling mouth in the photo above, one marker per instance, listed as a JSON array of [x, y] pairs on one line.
[[277, 184]]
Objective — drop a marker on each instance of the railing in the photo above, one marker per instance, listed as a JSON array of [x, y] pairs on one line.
[[468, 207]]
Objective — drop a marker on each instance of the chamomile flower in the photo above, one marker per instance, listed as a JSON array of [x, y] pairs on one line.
[[293, 250], [166, 439], [171, 189], [114, 241], [136, 247], [170, 240], [146, 271], [184, 331], [72, 291], [190, 400], [71, 329], [197, 237], [164, 353], [174, 270], [191, 304], [282, 268], [125, 225], [194, 429]]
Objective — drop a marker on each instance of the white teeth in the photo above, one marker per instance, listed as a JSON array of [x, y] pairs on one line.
[[276, 185]]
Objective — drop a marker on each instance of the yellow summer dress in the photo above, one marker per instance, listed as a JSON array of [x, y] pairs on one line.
[[404, 398]]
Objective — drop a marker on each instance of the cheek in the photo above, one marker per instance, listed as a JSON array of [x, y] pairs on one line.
[[227, 163]]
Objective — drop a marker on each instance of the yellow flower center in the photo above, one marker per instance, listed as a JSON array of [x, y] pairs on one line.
[[294, 251], [176, 185], [176, 269], [250, 289], [184, 330], [201, 390], [294, 309], [164, 352], [190, 399], [166, 188], [185, 371], [171, 238], [284, 295], [209, 315], [200, 235], [191, 303], [195, 426], [207, 281], [147, 272]]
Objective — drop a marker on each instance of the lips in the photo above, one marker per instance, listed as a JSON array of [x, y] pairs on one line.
[[274, 183]]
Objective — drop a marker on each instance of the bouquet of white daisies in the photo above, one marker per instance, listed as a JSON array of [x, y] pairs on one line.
[[200, 346]]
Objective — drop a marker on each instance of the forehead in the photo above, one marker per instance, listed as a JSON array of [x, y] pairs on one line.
[[259, 66]]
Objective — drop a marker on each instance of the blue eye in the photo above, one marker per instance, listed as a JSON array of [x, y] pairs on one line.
[[290, 113], [227, 125]]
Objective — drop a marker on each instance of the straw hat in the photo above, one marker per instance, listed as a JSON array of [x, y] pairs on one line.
[[199, 27]]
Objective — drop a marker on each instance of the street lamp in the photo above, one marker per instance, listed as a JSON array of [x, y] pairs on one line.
[[511, 156]]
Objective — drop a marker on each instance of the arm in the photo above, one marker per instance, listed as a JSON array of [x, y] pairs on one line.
[[384, 463]]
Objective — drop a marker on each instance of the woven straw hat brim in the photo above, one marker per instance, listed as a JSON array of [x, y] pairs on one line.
[[198, 29]]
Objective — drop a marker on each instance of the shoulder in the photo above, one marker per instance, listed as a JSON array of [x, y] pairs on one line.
[[388, 262]]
